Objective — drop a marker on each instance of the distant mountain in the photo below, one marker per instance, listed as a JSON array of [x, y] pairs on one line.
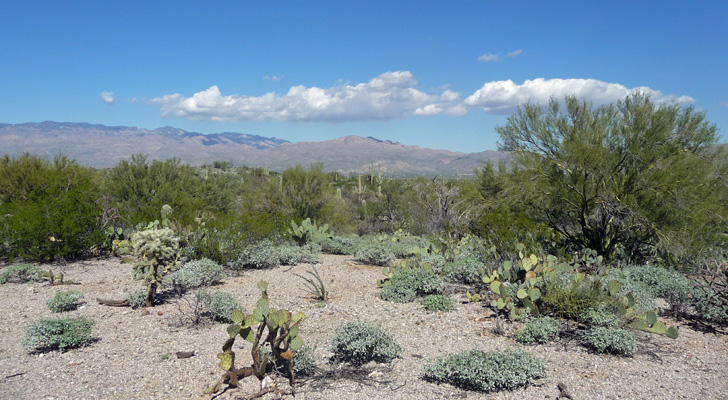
[[104, 146]]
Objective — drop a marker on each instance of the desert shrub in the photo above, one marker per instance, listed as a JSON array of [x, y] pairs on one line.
[[261, 255], [658, 281], [375, 254], [48, 210], [288, 254], [195, 274], [610, 340], [438, 302], [436, 260], [137, 298], [707, 308], [408, 283], [304, 361], [58, 333], [359, 343], [220, 304], [468, 271], [65, 301], [486, 371], [339, 245], [599, 316], [567, 298], [21, 273], [539, 330], [310, 253]]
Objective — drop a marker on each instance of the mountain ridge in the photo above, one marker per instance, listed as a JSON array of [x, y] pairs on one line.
[[103, 146]]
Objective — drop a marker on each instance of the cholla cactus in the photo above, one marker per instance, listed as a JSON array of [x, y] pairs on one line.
[[156, 250]]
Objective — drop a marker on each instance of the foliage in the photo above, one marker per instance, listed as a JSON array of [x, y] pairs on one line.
[[570, 295], [156, 250], [58, 333], [48, 210], [309, 232], [339, 245], [358, 343], [599, 316], [375, 254], [610, 340], [21, 273], [195, 274], [631, 178], [65, 301], [261, 255], [438, 302], [405, 282], [220, 304], [137, 298], [281, 338], [539, 330], [314, 285], [486, 371], [468, 271]]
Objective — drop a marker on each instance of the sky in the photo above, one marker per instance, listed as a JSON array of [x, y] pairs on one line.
[[434, 74]]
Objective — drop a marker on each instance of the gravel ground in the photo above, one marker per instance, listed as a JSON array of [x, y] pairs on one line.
[[128, 358]]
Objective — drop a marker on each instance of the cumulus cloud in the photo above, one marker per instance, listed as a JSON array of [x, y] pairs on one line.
[[107, 97], [387, 96], [503, 97], [514, 53], [487, 57]]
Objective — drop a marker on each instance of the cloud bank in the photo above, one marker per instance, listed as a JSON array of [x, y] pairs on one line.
[[388, 96], [107, 97], [503, 97]]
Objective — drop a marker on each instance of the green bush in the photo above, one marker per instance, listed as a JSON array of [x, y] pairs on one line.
[[21, 273], [468, 271], [569, 299], [599, 317], [195, 274], [539, 330], [375, 254], [65, 301], [359, 343], [304, 361], [137, 298], [610, 340], [48, 210], [261, 255], [438, 302], [408, 283], [436, 260], [220, 304], [339, 245], [59, 333], [486, 371]]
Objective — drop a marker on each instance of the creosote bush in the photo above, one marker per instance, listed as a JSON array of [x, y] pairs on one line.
[[539, 330], [486, 371], [58, 334], [609, 340], [359, 343], [438, 302], [65, 301]]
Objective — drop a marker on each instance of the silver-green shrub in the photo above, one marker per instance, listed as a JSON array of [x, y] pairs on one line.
[[539, 330], [438, 302], [486, 371], [609, 340], [261, 255], [375, 254], [220, 304], [137, 298], [599, 317], [408, 283], [58, 334], [196, 274], [21, 273], [339, 245], [469, 270], [65, 301], [359, 343]]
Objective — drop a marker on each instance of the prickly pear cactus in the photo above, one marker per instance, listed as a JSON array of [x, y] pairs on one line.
[[265, 325]]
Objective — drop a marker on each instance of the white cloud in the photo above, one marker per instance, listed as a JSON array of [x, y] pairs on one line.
[[107, 97], [503, 97], [273, 78], [388, 96], [724, 104], [514, 53], [487, 57]]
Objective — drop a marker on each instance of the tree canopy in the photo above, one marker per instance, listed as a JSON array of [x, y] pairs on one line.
[[633, 177]]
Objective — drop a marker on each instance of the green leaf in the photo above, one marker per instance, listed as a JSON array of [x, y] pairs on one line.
[[296, 343], [262, 306], [534, 294], [651, 317], [507, 265], [495, 287], [248, 334], [521, 294], [614, 287], [233, 330], [672, 332], [226, 360], [263, 286], [299, 316], [238, 317]]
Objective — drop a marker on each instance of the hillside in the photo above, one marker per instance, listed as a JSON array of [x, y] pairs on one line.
[[103, 146]]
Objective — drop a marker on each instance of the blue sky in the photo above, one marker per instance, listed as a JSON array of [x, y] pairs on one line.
[[433, 74]]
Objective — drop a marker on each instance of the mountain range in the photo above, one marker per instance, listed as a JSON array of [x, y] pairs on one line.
[[103, 146]]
